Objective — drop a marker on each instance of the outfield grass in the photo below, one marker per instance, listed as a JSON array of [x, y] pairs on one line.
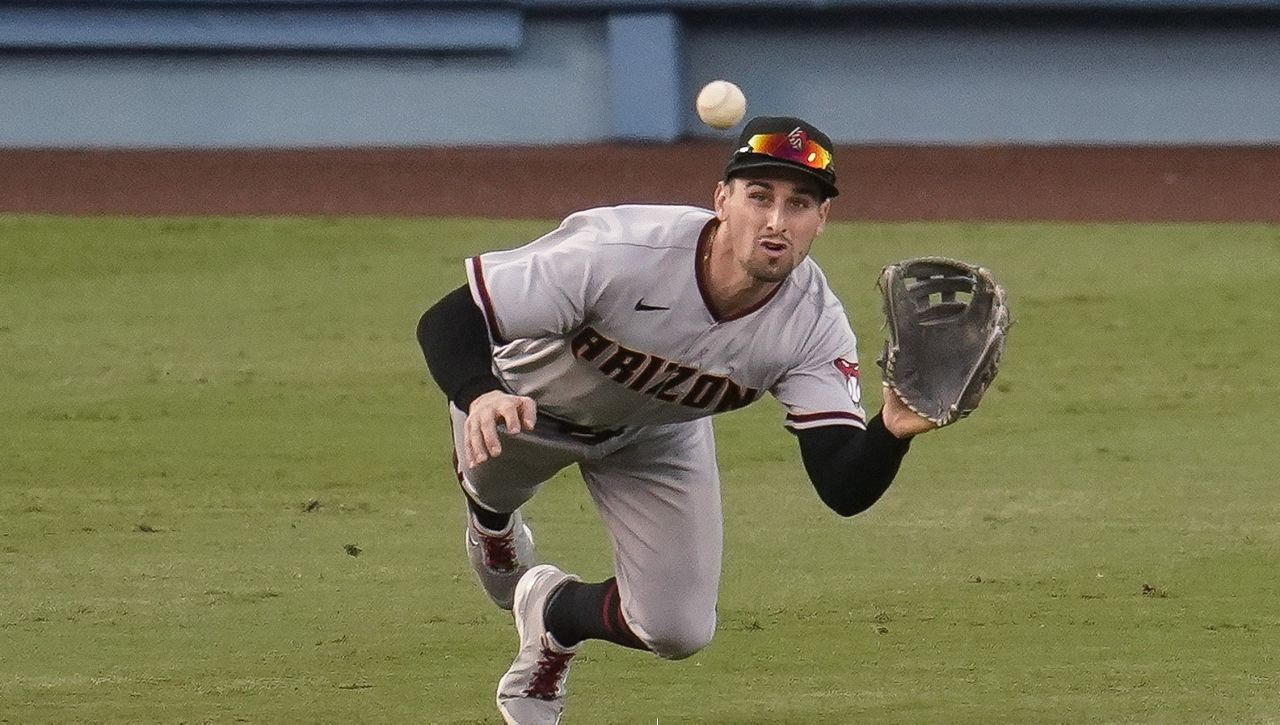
[[200, 417]]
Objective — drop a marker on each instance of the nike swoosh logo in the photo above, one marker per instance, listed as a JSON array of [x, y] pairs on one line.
[[642, 307]]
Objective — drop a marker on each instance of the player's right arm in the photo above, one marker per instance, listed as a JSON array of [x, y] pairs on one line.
[[455, 343], [542, 289]]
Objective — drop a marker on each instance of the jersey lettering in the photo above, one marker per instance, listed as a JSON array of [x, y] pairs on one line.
[[647, 374], [675, 380], [588, 344], [662, 379], [736, 397], [703, 391], [622, 364], [636, 369]]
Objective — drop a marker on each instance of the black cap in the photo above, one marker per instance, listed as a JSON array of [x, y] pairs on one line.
[[795, 135]]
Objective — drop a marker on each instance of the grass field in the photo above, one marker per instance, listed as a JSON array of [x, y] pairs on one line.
[[201, 420]]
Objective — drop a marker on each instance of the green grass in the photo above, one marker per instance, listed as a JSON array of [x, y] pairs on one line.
[[1097, 543]]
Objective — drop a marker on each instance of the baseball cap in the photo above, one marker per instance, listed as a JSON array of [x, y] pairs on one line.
[[787, 143]]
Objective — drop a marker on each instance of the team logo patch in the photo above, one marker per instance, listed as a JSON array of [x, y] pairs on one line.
[[850, 372], [797, 139]]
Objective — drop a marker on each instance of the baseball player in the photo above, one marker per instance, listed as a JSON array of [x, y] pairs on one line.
[[608, 344]]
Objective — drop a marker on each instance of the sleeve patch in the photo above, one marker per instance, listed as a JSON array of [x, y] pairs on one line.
[[850, 372]]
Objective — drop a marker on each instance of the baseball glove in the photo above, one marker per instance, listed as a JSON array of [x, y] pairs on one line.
[[947, 322]]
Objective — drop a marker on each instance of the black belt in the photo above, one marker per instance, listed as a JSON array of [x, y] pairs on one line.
[[578, 432]]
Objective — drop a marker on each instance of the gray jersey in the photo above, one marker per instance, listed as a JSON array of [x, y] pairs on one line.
[[604, 322]]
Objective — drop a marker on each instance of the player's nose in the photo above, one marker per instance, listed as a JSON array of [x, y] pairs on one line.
[[775, 220]]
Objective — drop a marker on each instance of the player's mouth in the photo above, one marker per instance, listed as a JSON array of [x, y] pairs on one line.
[[772, 248]]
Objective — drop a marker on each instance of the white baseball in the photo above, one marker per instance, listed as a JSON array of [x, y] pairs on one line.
[[721, 104]]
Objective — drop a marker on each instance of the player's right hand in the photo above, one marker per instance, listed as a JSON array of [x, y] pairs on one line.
[[480, 431]]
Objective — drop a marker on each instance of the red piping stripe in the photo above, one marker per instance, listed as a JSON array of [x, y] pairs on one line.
[[828, 415], [605, 607], [703, 239], [483, 290]]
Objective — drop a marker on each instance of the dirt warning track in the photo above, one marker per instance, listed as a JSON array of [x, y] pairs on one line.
[[1068, 183]]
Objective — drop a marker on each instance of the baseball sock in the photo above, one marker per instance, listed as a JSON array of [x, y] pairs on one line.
[[578, 611], [491, 520]]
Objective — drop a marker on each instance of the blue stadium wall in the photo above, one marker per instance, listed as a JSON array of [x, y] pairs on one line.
[[302, 73]]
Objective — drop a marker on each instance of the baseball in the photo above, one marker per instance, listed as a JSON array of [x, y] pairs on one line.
[[721, 104]]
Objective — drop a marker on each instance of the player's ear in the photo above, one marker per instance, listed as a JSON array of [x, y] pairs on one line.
[[721, 196], [823, 210]]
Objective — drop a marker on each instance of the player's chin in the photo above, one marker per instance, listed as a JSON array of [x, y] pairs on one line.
[[771, 269]]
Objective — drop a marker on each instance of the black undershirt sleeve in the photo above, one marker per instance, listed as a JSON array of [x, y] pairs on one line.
[[455, 343], [851, 468]]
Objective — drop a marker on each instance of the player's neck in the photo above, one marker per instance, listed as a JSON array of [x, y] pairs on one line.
[[730, 288]]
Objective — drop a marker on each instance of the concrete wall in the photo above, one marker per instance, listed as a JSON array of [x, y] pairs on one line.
[[549, 75], [549, 91], [1039, 82]]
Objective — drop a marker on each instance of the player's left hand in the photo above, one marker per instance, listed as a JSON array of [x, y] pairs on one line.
[[900, 420]]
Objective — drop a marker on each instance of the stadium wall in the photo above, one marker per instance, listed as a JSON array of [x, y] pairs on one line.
[[308, 73]]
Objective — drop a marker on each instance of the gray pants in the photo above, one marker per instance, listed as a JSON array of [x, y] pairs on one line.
[[658, 492]]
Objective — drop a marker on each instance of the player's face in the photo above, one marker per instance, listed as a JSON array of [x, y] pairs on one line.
[[770, 220]]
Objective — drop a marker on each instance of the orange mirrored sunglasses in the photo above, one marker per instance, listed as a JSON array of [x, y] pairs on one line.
[[784, 146]]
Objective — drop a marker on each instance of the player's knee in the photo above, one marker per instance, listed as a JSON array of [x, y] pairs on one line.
[[678, 637]]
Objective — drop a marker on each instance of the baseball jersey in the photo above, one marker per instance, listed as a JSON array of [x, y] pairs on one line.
[[605, 323]]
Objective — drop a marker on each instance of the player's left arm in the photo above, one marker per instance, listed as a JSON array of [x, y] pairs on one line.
[[851, 460], [902, 421], [850, 467]]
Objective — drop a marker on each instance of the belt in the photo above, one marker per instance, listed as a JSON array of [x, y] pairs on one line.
[[579, 432]]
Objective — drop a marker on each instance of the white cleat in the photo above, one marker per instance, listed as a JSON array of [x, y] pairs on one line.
[[532, 691], [500, 558]]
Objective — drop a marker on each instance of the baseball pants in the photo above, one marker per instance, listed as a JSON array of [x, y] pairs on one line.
[[657, 489]]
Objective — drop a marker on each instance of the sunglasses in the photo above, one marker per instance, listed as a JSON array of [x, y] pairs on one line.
[[783, 146]]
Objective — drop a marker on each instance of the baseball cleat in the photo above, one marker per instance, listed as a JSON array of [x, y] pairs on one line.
[[532, 691], [500, 558]]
